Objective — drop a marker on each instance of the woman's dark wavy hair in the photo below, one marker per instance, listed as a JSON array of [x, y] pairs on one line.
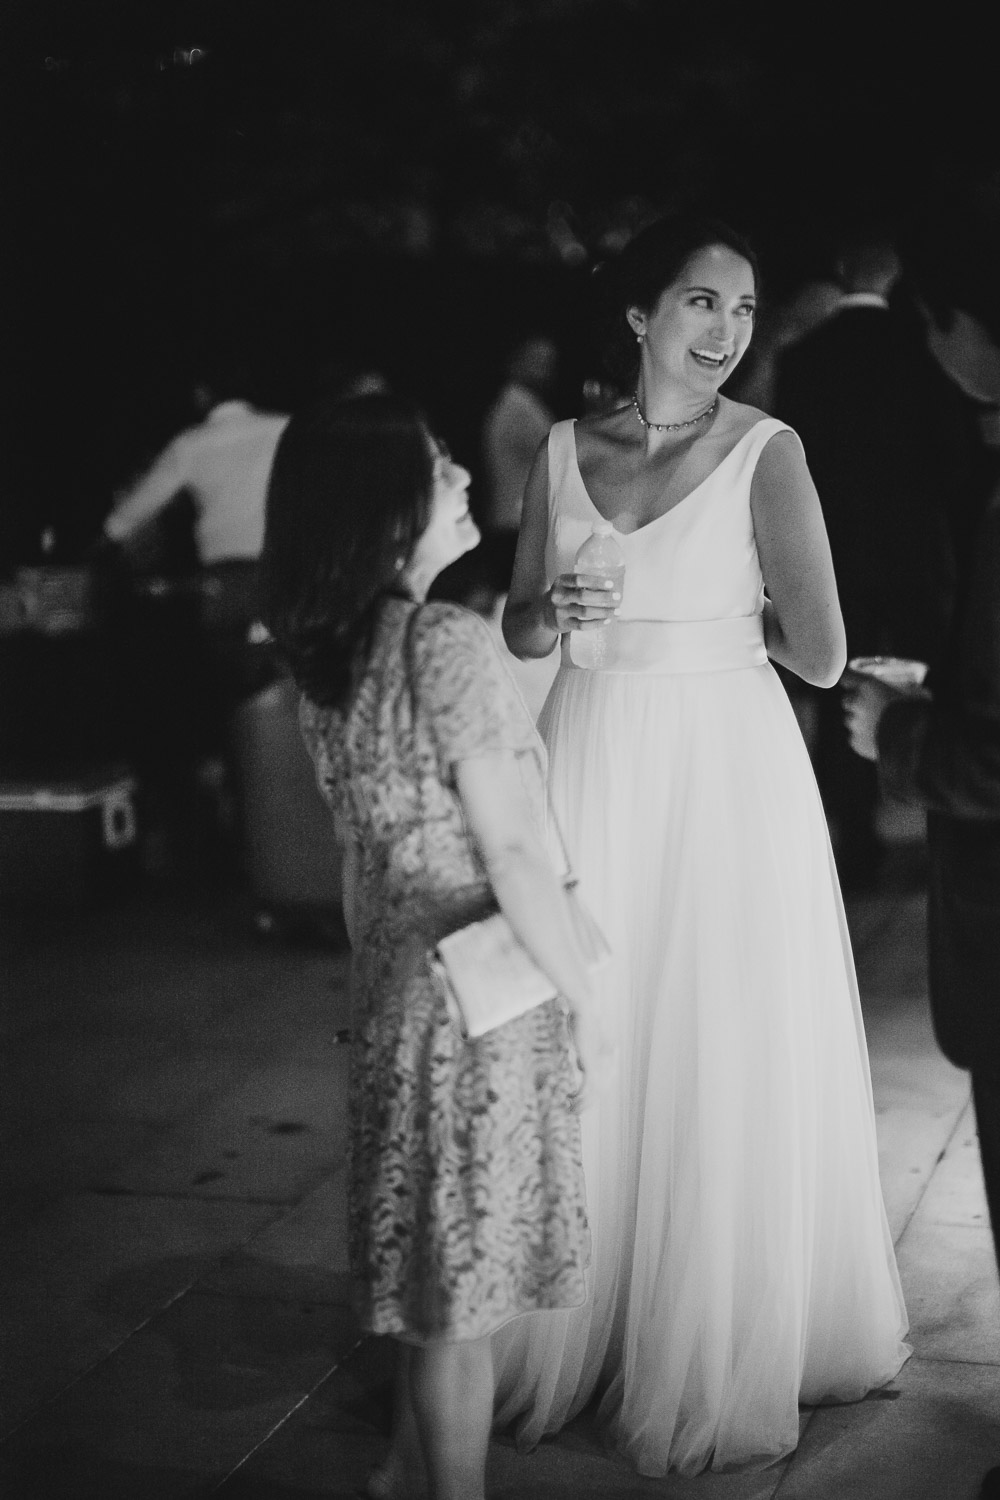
[[349, 495], [638, 276]]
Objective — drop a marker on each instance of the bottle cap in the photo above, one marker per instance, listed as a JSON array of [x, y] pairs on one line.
[[603, 528]]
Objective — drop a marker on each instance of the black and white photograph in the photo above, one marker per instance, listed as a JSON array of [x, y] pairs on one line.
[[499, 751]]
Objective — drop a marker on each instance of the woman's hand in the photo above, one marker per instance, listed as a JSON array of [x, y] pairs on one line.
[[596, 1053], [865, 701], [582, 601]]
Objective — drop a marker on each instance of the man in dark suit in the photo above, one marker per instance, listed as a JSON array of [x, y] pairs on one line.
[[942, 750], [867, 400]]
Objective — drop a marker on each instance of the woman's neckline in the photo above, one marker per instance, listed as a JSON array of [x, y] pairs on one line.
[[677, 503]]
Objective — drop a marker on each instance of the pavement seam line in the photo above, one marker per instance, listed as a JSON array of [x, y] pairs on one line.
[[288, 1415], [96, 1364], [937, 1162]]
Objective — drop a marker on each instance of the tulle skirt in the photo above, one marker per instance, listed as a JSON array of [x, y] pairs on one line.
[[742, 1260]]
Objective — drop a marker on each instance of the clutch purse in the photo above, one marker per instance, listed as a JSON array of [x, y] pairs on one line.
[[488, 975]]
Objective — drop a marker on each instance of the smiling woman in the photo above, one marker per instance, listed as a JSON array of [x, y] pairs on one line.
[[658, 258], [742, 1262], [701, 323]]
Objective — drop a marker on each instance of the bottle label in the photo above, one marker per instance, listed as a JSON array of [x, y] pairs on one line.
[[590, 648]]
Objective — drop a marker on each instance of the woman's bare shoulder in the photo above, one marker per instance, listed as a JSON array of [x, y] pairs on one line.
[[781, 468], [602, 432]]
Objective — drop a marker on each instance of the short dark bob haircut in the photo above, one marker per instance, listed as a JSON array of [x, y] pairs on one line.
[[641, 273], [349, 495]]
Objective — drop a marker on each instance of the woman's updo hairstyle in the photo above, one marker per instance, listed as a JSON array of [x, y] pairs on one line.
[[639, 275], [349, 495]]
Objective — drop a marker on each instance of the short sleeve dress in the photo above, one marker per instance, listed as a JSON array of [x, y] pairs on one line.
[[466, 1188]]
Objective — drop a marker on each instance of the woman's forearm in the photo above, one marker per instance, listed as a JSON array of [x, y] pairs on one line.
[[533, 900], [821, 664], [529, 628], [774, 637]]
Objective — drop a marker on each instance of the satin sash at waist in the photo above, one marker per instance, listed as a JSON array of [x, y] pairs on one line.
[[665, 647]]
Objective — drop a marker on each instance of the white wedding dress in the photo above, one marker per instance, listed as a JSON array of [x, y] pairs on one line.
[[742, 1260]]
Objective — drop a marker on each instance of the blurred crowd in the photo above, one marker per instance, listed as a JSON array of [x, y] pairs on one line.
[[145, 650]]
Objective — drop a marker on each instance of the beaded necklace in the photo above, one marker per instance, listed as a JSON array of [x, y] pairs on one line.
[[671, 426]]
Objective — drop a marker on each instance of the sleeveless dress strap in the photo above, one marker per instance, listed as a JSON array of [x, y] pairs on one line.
[[562, 461], [762, 433]]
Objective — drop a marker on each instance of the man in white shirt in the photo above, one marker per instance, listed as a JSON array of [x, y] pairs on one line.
[[224, 464], [184, 722]]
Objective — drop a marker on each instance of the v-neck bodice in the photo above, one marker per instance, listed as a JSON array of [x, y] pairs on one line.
[[696, 561]]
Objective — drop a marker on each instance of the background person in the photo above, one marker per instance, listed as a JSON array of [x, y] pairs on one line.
[[518, 420], [941, 750], [783, 325], [193, 654], [223, 464], [863, 395], [466, 1192], [742, 1260]]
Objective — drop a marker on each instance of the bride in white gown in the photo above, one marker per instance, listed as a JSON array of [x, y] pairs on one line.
[[742, 1260]]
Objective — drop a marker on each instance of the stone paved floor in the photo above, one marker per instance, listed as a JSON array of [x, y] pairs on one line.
[[176, 1317]]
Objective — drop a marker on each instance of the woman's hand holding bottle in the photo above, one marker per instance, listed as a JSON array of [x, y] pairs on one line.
[[582, 601], [591, 595]]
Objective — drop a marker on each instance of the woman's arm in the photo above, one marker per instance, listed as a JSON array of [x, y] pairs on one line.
[[535, 615], [529, 627], [803, 627], [529, 892]]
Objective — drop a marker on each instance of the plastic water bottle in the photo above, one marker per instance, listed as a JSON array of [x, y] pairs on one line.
[[601, 557]]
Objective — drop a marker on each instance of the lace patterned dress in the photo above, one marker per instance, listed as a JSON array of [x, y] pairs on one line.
[[466, 1189]]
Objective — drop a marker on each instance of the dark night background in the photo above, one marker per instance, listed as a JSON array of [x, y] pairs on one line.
[[408, 184]]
